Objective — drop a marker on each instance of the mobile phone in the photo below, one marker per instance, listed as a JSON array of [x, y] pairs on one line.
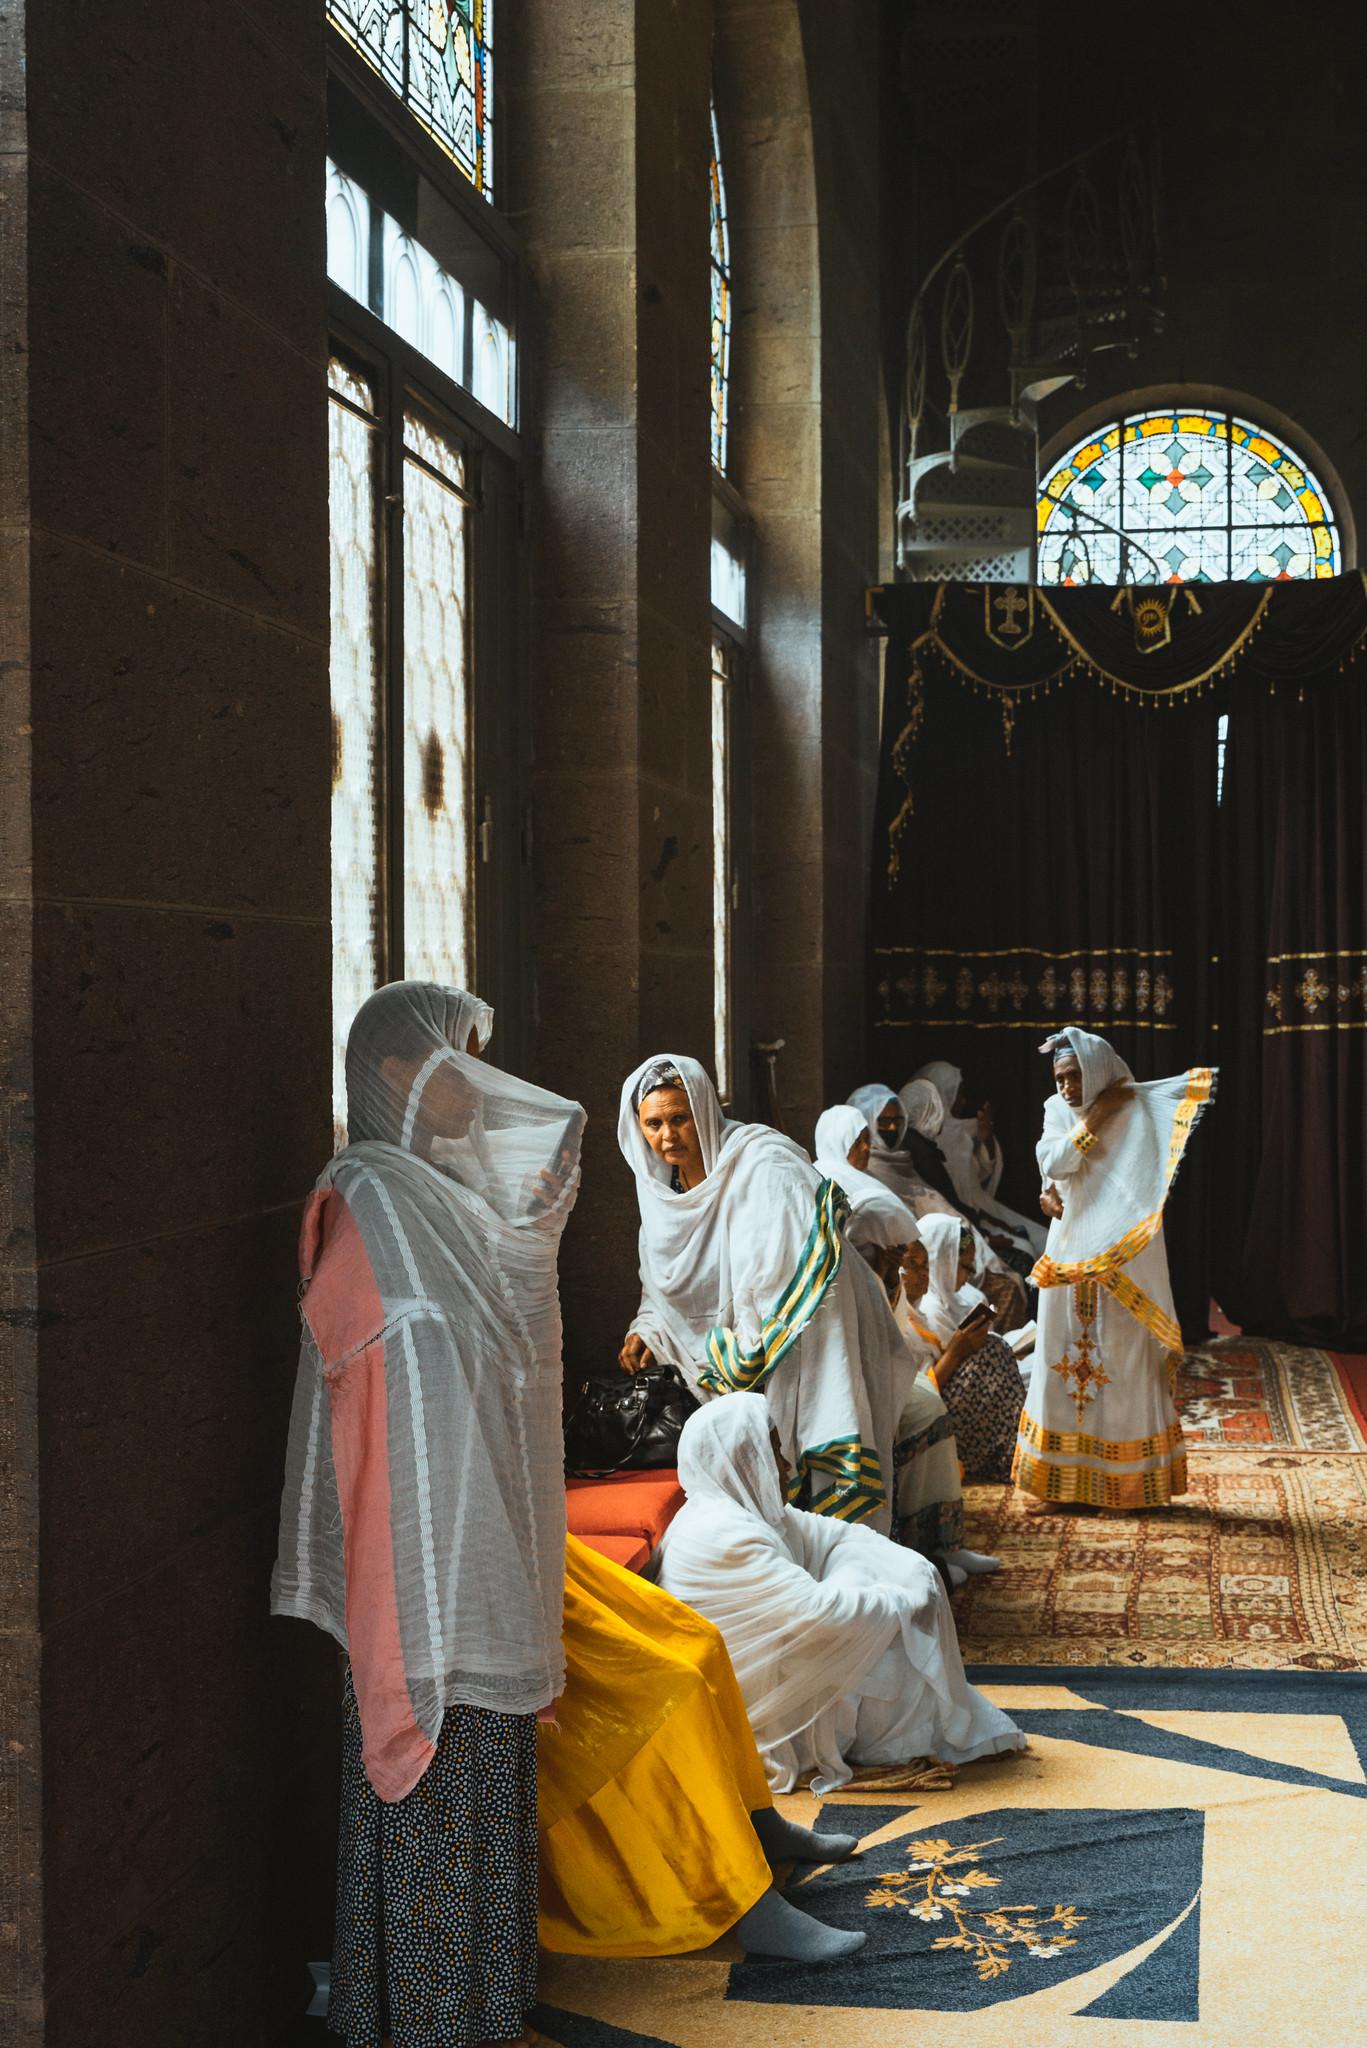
[[980, 1312]]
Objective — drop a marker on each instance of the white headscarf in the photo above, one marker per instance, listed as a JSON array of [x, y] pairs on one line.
[[923, 1107], [808, 1606], [878, 1217], [871, 1101], [956, 1135], [422, 1520], [945, 1304], [720, 1252], [1114, 1200]]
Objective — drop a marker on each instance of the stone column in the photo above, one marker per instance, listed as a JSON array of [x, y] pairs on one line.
[[608, 188]]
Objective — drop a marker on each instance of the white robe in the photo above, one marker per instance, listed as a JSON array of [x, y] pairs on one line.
[[1100, 1425], [720, 1266], [843, 1643], [975, 1164]]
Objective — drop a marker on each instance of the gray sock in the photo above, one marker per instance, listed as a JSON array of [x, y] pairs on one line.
[[774, 1928], [783, 1841]]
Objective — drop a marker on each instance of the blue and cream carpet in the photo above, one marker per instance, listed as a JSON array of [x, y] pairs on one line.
[[1181, 1856]]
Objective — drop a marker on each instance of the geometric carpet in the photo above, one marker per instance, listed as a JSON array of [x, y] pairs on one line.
[[1180, 1857], [1261, 1565]]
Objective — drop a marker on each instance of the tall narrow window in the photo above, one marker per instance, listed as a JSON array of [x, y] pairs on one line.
[[1177, 496], [436, 712], [722, 865], [438, 57], [357, 729], [721, 307]]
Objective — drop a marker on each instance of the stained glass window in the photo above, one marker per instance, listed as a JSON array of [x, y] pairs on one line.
[[436, 708], [721, 307], [721, 864], [438, 56], [1184, 497], [357, 812]]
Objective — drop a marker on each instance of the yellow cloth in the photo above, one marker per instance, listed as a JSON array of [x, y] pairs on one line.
[[648, 1778]]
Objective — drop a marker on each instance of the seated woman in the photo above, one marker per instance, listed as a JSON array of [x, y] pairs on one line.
[[843, 1644], [880, 1224], [929, 1514], [745, 1284], [973, 1155], [905, 1157], [657, 1827], [948, 1324]]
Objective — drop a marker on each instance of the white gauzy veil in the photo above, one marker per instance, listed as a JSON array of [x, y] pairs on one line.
[[423, 1514], [727, 1460], [878, 1217], [945, 1303]]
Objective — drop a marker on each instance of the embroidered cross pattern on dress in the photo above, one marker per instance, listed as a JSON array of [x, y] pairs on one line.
[[1082, 1368]]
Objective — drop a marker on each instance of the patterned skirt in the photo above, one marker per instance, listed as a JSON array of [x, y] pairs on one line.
[[984, 1398], [435, 1943]]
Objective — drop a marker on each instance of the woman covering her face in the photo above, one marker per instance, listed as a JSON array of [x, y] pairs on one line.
[[422, 1524], [747, 1283], [1099, 1425]]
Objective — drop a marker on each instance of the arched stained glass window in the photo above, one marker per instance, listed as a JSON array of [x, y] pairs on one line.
[[1172, 496], [721, 306], [438, 56]]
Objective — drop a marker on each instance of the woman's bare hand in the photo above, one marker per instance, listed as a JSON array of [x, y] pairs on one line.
[[1051, 1202], [1107, 1103], [635, 1355]]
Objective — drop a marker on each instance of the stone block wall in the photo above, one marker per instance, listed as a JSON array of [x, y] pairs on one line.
[[175, 908]]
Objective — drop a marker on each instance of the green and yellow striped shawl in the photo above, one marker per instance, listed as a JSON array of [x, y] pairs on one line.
[[841, 1478]]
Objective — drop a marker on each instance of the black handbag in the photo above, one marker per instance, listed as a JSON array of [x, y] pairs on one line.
[[627, 1423]]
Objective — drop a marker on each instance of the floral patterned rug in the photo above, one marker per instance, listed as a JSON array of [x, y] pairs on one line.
[[1262, 1565], [1144, 1874]]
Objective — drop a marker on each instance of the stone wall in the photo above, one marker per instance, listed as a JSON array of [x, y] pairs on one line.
[[177, 915]]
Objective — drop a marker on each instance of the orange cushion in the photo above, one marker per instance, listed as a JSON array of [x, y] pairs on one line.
[[637, 1504], [628, 1551]]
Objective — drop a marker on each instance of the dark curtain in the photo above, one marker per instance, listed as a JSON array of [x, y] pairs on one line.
[[1291, 1223], [1050, 849]]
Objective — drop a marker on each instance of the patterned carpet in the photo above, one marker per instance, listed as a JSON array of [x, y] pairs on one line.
[[1262, 1565]]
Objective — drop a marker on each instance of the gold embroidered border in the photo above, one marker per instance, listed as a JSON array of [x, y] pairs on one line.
[[1080, 1484], [1031, 952], [1081, 1138], [1143, 1308], [1048, 1273], [1073, 1443]]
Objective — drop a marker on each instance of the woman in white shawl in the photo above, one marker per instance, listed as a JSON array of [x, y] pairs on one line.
[[930, 1503], [906, 1158], [973, 1155], [880, 1225], [745, 1285], [843, 1644], [975, 1371], [1100, 1426], [422, 1524]]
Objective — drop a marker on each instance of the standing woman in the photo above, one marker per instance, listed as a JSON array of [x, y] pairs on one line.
[[1100, 1426], [423, 1518]]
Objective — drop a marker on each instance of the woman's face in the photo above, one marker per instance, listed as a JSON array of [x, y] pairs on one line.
[[666, 1117], [858, 1154], [1068, 1080], [915, 1270], [890, 1124]]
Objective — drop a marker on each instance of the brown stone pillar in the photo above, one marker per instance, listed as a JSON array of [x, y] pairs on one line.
[[608, 188], [166, 886]]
